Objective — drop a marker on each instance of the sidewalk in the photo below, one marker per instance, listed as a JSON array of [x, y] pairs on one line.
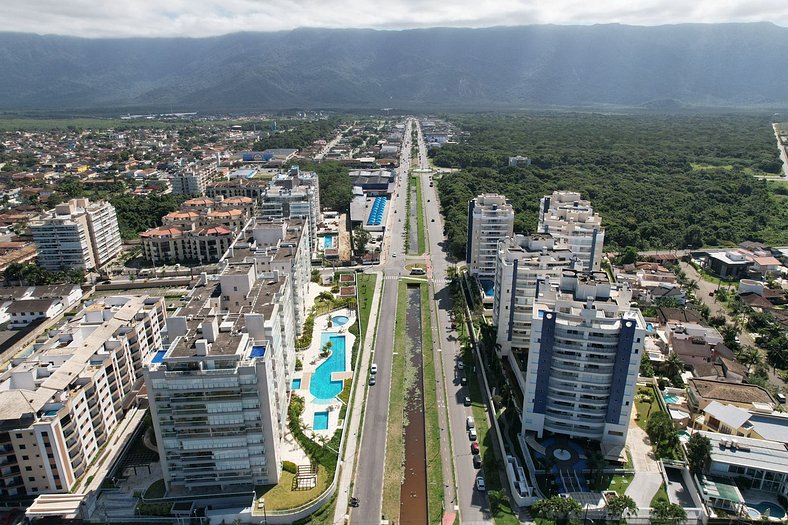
[[348, 465]]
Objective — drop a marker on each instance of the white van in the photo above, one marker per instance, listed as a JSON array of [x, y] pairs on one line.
[[470, 423], [472, 434]]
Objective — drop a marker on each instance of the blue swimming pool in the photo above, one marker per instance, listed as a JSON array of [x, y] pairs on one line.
[[321, 421], [670, 398], [159, 357], [258, 351], [297, 384], [321, 385], [339, 320], [649, 327], [763, 507], [328, 241], [488, 286]]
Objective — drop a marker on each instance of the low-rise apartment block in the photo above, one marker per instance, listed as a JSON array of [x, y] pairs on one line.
[[78, 234], [61, 398]]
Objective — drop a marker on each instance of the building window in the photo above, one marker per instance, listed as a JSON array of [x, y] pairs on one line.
[[28, 469]]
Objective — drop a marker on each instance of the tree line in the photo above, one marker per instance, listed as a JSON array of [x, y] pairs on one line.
[[657, 181]]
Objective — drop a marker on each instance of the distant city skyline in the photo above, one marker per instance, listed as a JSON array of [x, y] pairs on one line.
[[200, 18]]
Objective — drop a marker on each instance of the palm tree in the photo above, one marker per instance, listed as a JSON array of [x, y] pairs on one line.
[[673, 365], [620, 505], [750, 357]]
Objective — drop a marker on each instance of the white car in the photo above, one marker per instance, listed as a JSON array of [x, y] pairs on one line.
[[481, 485], [472, 434], [470, 423], [373, 369], [393, 254]]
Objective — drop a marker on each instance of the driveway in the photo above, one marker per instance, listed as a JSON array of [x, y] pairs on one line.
[[648, 478]]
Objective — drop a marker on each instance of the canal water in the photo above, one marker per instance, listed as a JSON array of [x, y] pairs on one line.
[[413, 494]]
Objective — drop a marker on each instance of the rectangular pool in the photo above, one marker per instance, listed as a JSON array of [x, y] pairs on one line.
[[321, 421], [297, 384], [159, 357]]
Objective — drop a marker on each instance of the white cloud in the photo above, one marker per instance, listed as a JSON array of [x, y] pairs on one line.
[[102, 18]]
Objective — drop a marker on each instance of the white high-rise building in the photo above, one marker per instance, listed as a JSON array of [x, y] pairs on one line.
[[218, 395], [586, 346], [195, 178], [78, 234], [490, 219], [569, 219], [63, 397], [522, 261]]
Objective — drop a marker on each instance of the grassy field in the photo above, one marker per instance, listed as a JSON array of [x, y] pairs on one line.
[[643, 408], [43, 124], [395, 447], [420, 215], [660, 495], [432, 427], [282, 496], [366, 291]]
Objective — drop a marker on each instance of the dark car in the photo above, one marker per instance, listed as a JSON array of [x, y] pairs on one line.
[[372, 380], [464, 380], [477, 461]]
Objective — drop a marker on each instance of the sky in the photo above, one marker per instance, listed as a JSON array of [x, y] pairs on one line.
[[197, 18]]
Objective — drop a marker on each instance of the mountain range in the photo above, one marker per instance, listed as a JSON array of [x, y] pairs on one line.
[[692, 65]]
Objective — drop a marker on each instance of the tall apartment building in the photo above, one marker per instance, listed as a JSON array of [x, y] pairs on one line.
[[218, 394], [586, 346], [76, 234], [572, 220], [490, 219], [61, 399], [276, 245], [522, 261], [294, 195], [196, 177]]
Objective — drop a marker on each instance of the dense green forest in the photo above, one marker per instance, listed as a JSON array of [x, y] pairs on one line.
[[336, 190], [137, 214], [299, 134], [657, 181]]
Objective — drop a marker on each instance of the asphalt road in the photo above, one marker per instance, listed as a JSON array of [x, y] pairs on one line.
[[368, 485], [473, 505]]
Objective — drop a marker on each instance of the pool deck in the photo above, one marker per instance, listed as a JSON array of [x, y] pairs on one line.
[[311, 361]]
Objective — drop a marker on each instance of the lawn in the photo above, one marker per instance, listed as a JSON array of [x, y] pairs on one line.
[[45, 124], [156, 490], [432, 427], [420, 215], [395, 447], [616, 482], [660, 495], [366, 291], [282, 496], [643, 408]]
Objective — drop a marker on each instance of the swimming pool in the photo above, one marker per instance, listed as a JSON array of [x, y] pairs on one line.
[[159, 357], [339, 320], [670, 398], [321, 385], [328, 241], [320, 422], [297, 383], [763, 507], [649, 327]]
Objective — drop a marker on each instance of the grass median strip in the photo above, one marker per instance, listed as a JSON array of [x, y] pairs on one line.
[[432, 426], [420, 215], [395, 447]]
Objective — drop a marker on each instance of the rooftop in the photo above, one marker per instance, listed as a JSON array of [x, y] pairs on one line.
[[730, 392]]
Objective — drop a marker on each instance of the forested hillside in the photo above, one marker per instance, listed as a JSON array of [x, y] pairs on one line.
[[657, 181]]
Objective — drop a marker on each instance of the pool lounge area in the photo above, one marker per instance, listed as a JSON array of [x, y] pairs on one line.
[[322, 379]]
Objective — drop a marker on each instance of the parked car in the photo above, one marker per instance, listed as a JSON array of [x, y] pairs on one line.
[[472, 434], [781, 397], [481, 486], [474, 448], [470, 423], [477, 462], [373, 369], [467, 401], [464, 381], [460, 365]]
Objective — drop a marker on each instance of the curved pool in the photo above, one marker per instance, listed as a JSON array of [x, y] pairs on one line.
[[763, 508], [340, 320], [321, 386]]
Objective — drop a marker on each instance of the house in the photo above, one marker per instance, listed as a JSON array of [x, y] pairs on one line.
[[25, 311], [701, 392], [758, 422], [732, 264]]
